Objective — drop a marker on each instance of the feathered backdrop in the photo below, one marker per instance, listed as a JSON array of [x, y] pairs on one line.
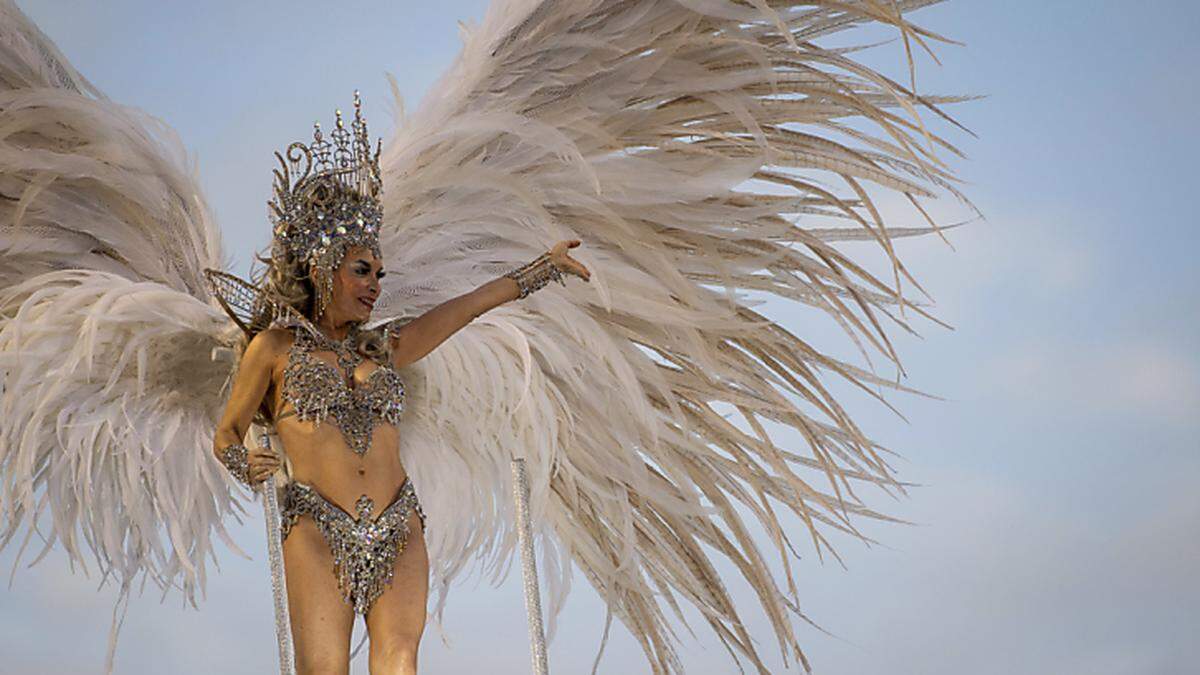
[[693, 145], [110, 389]]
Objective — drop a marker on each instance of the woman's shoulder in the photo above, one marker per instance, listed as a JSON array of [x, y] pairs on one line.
[[275, 335], [268, 344]]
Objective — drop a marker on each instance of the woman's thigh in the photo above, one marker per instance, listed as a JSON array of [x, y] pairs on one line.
[[397, 618], [321, 620]]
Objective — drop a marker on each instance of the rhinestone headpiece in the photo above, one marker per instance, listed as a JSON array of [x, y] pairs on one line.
[[327, 200]]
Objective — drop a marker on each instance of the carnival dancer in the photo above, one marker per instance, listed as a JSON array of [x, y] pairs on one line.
[[352, 523]]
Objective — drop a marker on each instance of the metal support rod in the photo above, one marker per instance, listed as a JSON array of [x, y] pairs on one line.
[[283, 628], [533, 600]]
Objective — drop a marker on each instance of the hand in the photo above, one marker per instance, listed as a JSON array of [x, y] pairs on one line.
[[565, 263], [263, 462]]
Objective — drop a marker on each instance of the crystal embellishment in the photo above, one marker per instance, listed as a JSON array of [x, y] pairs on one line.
[[318, 390], [327, 199], [364, 549]]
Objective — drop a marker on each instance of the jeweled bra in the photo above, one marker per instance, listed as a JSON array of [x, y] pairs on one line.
[[317, 390]]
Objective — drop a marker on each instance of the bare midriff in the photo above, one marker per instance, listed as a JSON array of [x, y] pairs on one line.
[[321, 457]]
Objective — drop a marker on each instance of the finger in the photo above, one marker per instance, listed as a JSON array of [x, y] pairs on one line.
[[573, 243]]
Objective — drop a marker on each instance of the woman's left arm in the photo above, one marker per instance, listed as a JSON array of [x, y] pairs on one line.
[[415, 339]]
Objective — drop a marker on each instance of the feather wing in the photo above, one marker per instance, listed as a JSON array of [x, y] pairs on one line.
[[710, 154], [113, 363], [87, 183]]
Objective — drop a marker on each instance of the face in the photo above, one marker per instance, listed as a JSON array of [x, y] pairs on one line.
[[355, 285]]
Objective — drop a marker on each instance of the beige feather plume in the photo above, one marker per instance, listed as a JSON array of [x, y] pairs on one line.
[[690, 145], [113, 361], [697, 147]]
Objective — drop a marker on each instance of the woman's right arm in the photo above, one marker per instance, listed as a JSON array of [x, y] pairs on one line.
[[249, 387]]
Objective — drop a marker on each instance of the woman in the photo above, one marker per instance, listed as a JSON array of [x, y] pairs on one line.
[[332, 393]]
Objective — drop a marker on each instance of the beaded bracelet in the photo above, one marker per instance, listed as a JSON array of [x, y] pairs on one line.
[[235, 458], [535, 274]]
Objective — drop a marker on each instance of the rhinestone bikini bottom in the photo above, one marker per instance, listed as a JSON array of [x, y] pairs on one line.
[[364, 550]]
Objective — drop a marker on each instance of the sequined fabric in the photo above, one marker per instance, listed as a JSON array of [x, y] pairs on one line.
[[364, 550], [317, 390]]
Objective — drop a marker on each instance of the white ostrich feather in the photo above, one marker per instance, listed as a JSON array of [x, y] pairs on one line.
[[86, 183], [642, 127], [117, 392], [699, 148], [113, 364]]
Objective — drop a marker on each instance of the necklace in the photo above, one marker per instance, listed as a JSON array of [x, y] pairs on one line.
[[347, 355]]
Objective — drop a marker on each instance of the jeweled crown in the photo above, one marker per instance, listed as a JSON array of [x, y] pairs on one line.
[[327, 198]]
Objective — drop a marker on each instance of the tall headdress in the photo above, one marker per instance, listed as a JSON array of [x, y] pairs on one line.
[[327, 200]]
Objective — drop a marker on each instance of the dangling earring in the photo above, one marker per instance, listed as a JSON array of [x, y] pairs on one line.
[[322, 283]]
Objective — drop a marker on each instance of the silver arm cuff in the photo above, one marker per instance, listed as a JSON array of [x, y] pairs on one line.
[[536, 274], [235, 458]]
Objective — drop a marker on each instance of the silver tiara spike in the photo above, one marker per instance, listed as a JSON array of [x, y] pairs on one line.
[[327, 199]]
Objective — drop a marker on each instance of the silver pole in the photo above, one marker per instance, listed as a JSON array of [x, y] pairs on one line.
[[283, 628], [533, 599]]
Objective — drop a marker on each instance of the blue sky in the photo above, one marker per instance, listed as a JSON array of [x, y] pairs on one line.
[[1058, 508]]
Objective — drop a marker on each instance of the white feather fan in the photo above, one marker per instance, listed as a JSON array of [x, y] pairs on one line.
[[686, 142], [113, 362]]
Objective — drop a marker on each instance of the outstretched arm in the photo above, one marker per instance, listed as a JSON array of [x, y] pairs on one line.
[[420, 336]]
